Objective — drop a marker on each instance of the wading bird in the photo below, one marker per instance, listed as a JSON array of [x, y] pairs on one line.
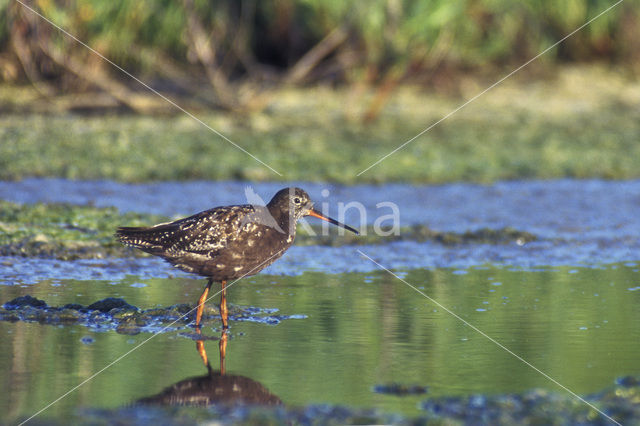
[[227, 243]]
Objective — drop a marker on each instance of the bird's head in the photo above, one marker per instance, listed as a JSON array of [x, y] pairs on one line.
[[296, 203]]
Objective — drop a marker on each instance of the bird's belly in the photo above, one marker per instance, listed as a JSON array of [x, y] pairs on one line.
[[235, 261]]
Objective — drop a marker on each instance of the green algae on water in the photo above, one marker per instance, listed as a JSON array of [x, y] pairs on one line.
[[582, 123], [63, 231]]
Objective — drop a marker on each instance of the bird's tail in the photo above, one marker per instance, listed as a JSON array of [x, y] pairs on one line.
[[149, 239]]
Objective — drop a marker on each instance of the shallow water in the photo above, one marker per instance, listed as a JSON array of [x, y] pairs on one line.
[[575, 209], [354, 331], [567, 303], [576, 222]]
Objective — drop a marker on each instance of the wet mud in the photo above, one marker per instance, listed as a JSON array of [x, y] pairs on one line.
[[618, 403], [399, 389], [175, 405], [118, 315]]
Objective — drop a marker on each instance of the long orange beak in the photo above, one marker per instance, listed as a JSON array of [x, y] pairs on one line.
[[316, 213]]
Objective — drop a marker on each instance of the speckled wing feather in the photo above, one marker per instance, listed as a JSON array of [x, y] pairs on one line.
[[204, 233]]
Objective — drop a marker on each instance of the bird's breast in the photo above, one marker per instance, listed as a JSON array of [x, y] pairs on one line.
[[253, 249]]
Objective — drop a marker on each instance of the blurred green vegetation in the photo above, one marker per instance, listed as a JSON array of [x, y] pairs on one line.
[[266, 42], [583, 123], [364, 65]]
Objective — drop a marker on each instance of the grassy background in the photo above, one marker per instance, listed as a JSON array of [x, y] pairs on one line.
[[399, 67], [259, 40], [581, 122]]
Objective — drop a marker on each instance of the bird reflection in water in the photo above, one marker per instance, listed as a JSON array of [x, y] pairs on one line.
[[216, 387]]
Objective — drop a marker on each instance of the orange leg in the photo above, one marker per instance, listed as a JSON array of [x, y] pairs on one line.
[[201, 350], [223, 349], [224, 312], [203, 298]]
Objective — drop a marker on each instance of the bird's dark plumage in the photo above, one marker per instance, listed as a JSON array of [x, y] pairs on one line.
[[227, 243], [224, 243]]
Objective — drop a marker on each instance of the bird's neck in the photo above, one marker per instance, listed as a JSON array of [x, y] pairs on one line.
[[285, 221]]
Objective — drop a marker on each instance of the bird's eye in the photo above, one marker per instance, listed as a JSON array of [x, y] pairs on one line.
[[297, 200]]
